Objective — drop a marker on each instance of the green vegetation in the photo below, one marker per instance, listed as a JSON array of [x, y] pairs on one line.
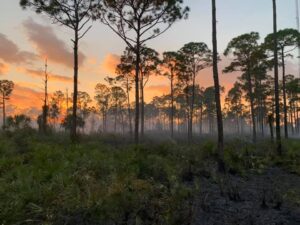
[[48, 180], [45, 182]]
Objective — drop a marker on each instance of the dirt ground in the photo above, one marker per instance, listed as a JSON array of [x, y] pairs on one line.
[[271, 198]]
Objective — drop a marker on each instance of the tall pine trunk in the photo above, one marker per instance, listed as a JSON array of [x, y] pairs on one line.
[[252, 111], [137, 105], [286, 134], [201, 119], [3, 111], [75, 92], [172, 106], [221, 164], [128, 108], [270, 121], [192, 107], [277, 109], [45, 106], [142, 105]]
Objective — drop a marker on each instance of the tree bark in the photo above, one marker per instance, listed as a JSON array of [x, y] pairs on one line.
[[277, 109], [221, 164]]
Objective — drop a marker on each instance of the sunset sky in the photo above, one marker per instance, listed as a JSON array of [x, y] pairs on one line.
[[27, 38]]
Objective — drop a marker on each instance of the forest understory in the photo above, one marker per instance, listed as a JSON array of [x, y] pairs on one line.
[[45, 179]]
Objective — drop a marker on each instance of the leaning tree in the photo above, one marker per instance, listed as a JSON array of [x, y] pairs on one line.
[[6, 88], [136, 22], [74, 14]]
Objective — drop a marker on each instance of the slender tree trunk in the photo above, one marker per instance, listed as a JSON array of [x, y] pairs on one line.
[[129, 110], [291, 117], [115, 117], [221, 164], [137, 105], [187, 122], [142, 105], [45, 106], [201, 119], [75, 92], [178, 124], [192, 107], [172, 106], [103, 122], [67, 102], [3, 110], [238, 125], [286, 135], [253, 118], [262, 118], [242, 125], [297, 116], [270, 120], [123, 124], [277, 109]]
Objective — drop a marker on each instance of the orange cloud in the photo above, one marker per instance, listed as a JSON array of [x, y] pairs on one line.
[[49, 45], [110, 63], [24, 99], [4, 68], [52, 77]]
